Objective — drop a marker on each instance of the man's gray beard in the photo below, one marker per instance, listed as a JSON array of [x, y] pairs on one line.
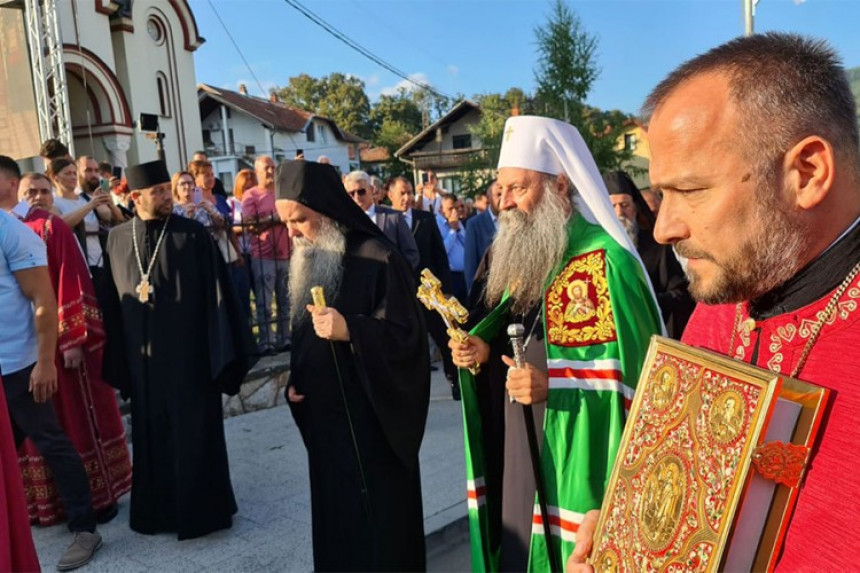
[[631, 227], [526, 249], [759, 265], [316, 263]]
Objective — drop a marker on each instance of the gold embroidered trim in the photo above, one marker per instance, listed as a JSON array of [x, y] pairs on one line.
[[578, 308]]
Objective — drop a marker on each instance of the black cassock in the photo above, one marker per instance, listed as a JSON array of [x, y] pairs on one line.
[[386, 379], [174, 355], [670, 283]]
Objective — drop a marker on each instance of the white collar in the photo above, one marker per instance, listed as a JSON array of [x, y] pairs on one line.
[[845, 232], [372, 211]]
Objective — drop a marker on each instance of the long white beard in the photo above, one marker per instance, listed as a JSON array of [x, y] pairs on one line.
[[631, 227], [316, 263], [526, 249]]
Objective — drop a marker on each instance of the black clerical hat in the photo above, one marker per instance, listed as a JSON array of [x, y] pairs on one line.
[[319, 187], [147, 175], [618, 182]]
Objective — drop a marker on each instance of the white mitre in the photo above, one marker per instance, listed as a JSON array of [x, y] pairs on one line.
[[552, 146]]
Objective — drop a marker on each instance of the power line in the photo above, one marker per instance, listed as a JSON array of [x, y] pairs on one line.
[[396, 31], [247, 65], [361, 49], [235, 45]]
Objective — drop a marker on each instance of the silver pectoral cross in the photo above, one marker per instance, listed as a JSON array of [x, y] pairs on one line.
[[144, 289]]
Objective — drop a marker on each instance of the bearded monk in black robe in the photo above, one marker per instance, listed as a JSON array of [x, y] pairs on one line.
[[175, 342], [360, 377]]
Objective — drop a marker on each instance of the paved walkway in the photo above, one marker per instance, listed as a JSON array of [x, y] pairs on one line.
[[272, 531]]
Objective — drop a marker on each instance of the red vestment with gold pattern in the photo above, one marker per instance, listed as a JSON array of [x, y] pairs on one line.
[[824, 531], [86, 406], [17, 552]]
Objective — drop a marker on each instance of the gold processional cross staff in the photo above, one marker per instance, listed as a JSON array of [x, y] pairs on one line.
[[449, 308]]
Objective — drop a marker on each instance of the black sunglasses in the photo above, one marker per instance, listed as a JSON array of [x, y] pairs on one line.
[[360, 192]]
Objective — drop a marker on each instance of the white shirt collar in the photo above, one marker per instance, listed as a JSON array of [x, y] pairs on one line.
[[848, 230], [371, 212]]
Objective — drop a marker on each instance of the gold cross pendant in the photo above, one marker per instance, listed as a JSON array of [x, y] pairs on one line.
[[144, 289]]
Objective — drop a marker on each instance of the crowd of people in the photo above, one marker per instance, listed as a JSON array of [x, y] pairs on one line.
[[752, 213]]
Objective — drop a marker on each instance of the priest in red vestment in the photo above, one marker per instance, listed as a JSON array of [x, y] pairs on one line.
[[86, 406], [755, 148], [17, 552]]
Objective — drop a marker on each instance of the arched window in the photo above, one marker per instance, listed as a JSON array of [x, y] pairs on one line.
[[163, 94]]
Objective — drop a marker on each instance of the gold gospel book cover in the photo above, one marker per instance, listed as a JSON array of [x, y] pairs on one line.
[[709, 465]]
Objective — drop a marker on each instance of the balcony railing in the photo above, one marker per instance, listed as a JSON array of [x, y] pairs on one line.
[[447, 158]]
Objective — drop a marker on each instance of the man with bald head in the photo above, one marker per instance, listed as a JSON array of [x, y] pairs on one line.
[[754, 146], [270, 259]]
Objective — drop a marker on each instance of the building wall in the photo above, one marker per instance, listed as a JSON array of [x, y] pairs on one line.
[[247, 131], [88, 28], [637, 167], [135, 59], [459, 127], [145, 60]]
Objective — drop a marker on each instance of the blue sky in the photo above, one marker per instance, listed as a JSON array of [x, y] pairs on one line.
[[479, 46]]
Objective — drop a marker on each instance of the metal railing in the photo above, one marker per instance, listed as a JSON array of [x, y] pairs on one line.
[[257, 241]]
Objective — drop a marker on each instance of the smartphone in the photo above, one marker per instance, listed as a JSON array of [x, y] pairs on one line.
[[117, 172], [424, 178], [197, 195], [104, 184]]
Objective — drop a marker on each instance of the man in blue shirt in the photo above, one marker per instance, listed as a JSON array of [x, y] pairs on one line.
[[480, 232], [454, 236], [28, 339]]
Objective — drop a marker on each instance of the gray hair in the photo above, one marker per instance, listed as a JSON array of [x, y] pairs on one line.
[[357, 177], [786, 87]]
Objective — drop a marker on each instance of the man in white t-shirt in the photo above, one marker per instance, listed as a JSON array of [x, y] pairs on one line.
[[91, 207]]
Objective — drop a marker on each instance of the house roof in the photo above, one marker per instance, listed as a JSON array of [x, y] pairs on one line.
[[273, 114], [429, 134], [374, 154]]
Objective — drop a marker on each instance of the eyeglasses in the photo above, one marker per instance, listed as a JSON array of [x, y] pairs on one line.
[[360, 192]]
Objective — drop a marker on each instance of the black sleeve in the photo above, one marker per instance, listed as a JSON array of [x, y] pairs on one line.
[[390, 350], [115, 369], [231, 346]]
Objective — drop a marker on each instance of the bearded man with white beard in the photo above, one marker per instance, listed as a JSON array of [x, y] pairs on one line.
[[562, 265], [661, 264], [359, 385]]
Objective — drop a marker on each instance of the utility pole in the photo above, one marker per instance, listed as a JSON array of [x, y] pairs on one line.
[[749, 16]]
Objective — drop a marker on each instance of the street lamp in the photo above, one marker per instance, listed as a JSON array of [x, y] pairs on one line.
[[749, 16]]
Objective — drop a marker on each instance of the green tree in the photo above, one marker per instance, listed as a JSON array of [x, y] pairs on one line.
[[495, 110], [337, 96], [398, 108], [566, 68], [565, 73], [302, 92]]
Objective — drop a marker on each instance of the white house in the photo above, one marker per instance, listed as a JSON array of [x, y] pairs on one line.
[[237, 127], [446, 147], [123, 58]]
